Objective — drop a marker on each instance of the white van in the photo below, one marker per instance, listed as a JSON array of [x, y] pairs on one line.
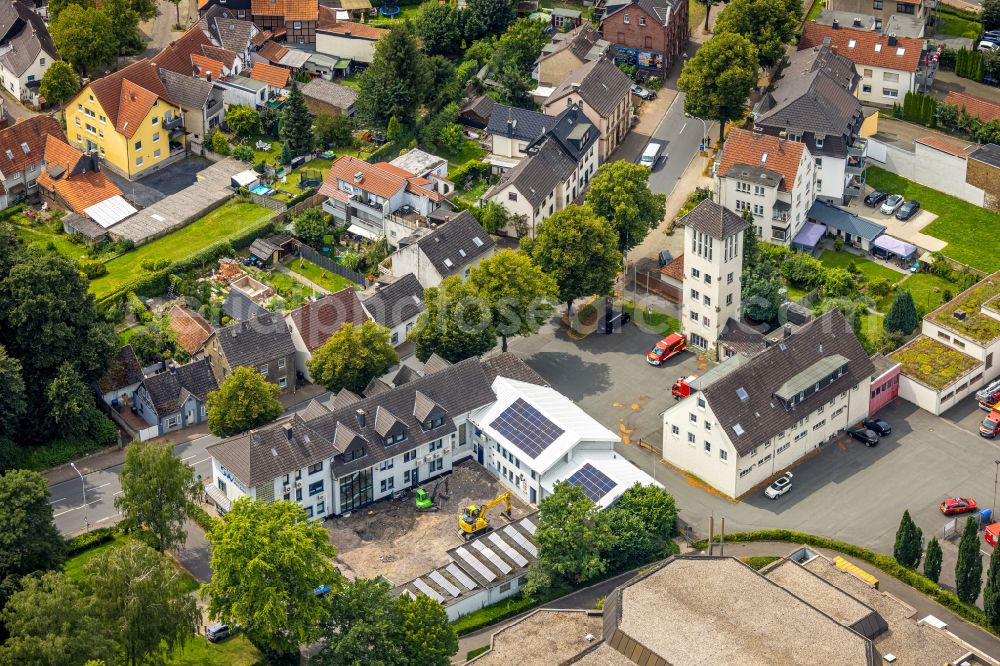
[[651, 154]]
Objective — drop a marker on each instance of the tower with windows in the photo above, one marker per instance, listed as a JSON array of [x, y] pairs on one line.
[[713, 263]]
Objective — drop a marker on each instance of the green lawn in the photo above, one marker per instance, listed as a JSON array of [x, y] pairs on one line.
[[871, 270], [236, 651], [871, 325], [225, 222], [926, 289], [794, 293], [292, 180], [954, 26], [318, 275], [815, 10], [43, 236], [966, 228], [651, 320], [469, 150], [74, 568]]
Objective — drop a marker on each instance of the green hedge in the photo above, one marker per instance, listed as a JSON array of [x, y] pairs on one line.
[[886, 563], [302, 196], [89, 540], [102, 434], [502, 610], [11, 212], [201, 517], [385, 152]]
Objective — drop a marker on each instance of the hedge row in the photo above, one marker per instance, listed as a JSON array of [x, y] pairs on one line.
[[886, 563], [88, 540], [201, 517], [302, 196], [505, 609], [385, 152], [158, 281], [9, 213]]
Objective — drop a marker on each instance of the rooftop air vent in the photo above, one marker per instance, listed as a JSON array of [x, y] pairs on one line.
[[359, 177], [742, 394], [959, 315]]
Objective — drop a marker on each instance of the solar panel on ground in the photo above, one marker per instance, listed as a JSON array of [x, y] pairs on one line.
[[525, 427], [594, 482], [460, 576], [493, 557], [505, 548], [428, 590], [477, 566], [444, 583], [528, 525], [521, 540]]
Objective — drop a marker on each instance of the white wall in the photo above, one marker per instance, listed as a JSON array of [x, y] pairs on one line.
[[876, 81], [341, 46], [709, 279], [925, 165], [18, 86], [831, 176]]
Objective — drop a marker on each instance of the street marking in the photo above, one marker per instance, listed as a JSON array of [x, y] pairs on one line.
[[118, 493], [188, 458], [102, 485], [76, 508], [198, 462], [101, 520], [683, 127], [58, 500]]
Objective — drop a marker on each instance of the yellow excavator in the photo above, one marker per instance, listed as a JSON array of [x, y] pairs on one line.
[[473, 519]]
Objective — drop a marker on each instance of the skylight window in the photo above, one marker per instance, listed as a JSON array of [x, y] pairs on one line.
[[9, 154], [477, 241], [447, 262], [742, 394], [878, 48], [25, 148], [900, 51], [461, 252], [738, 429], [851, 44]]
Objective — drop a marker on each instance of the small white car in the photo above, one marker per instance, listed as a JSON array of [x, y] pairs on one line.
[[780, 486], [892, 204]]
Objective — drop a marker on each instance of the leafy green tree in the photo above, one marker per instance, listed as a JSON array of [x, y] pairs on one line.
[[902, 315], [267, 558], [488, 18], [444, 88], [717, 81], [51, 623], [990, 14], [59, 83], [760, 294], [57, 6], [333, 130], [642, 524], [29, 540], [802, 270], [708, 9], [363, 619], [245, 400], [969, 567], [124, 26], [521, 44], [243, 120], [157, 489], [838, 282], [517, 291], [991, 593], [296, 126], [352, 357], [571, 535], [492, 216], [397, 80], [906, 549], [932, 560], [219, 143], [244, 153], [80, 35], [579, 250], [394, 131], [12, 390], [768, 24], [515, 84], [433, 131], [426, 635], [70, 402], [311, 225], [140, 596], [269, 119], [287, 154], [619, 192], [439, 27], [456, 323]]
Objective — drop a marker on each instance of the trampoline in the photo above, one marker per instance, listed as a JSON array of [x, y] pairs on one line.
[[310, 178], [389, 10]]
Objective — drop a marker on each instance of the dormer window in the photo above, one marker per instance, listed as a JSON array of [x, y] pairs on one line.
[[434, 423], [395, 438]]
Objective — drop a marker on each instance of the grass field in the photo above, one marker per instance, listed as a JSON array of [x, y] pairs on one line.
[[922, 287], [871, 325], [74, 568], [42, 236], [815, 10], [223, 223], [651, 320], [469, 150], [313, 273], [871, 269], [293, 179], [966, 228], [236, 651]]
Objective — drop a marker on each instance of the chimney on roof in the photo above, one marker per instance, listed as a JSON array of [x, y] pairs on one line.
[[361, 414], [836, 24], [788, 331], [892, 39], [857, 22], [288, 431]]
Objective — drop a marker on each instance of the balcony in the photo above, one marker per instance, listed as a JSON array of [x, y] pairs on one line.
[[781, 211], [367, 205], [858, 148], [854, 187], [855, 165], [171, 124]]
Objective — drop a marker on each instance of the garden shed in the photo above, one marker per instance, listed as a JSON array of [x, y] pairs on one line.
[[248, 179]]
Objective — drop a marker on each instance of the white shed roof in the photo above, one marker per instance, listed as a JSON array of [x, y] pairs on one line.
[[110, 211], [244, 178]]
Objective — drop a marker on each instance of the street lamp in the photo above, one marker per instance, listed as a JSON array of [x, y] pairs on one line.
[[83, 484], [996, 471]]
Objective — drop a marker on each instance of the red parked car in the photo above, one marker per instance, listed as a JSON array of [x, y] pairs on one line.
[[667, 347], [990, 427], [956, 505]]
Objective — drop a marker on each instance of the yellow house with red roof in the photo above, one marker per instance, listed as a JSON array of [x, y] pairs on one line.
[[128, 119]]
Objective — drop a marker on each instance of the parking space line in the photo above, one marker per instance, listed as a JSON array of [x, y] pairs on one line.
[[57, 500], [198, 462]]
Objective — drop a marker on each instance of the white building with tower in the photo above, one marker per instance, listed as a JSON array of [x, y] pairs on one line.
[[713, 263]]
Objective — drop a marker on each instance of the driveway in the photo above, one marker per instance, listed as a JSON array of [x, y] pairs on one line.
[[845, 492], [169, 180]]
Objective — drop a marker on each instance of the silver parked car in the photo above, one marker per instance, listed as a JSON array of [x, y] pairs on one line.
[[892, 204]]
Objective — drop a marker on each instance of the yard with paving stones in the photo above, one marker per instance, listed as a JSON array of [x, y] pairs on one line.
[[392, 539]]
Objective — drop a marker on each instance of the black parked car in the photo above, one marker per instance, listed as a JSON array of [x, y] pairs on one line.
[[875, 197], [880, 427], [864, 435], [908, 210]]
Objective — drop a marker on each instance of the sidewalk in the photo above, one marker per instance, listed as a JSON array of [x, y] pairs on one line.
[[114, 456]]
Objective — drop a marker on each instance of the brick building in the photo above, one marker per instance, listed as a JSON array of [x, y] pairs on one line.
[[650, 34]]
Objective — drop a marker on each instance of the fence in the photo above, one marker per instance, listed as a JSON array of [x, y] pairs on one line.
[[332, 266], [284, 215]]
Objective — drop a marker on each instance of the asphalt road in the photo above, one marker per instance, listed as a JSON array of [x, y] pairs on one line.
[[682, 137], [73, 517]]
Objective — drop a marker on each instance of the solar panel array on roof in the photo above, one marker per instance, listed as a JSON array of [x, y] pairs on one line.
[[460, 576], [428, 590], [444, 583], [505, 548], [594, 482], [488, 553], [528, 525], [526, 428], [526, 545], [476, 565]]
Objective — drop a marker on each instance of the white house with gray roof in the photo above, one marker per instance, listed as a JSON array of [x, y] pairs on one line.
[[753, 417], [201, 102], [511, 131], [452, 248], [176, 398], [26, 50], [395, 305]]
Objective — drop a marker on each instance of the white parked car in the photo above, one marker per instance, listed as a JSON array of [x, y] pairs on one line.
[[892, 204], [780, 486]]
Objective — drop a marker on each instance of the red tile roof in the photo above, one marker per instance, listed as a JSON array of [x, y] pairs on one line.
[[865, 47], [30, 133], [956, 148], [353, 29], [190, 329], [783, 157], [318, 320], [675, 269], [225, 56], [301, 10], [114, 92], [206, 65], [273, 51], [176, 57], [268, 7], [974, 106], [373, 179], [78, 185], [271, 75], [414, 183]]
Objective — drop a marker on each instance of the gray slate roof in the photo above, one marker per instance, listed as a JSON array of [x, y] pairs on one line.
[[331, 93], [256, 341], [187, 91], [232, 33], [123, 371], [405, 374], [537, 175], [396, 302], [506, 364], [574, 133], [813, 102], [822, 58], [710, 218], [344, 398], [451, 241], [168, 390], [599, 83], [582, 41], [741, 338], [515, 123], [240, 308], [845, 221], [25, 31], [658, 8], [761, 416], [988, 154]]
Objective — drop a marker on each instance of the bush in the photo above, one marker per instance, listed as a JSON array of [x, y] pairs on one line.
[[88, 540], [201, 517], [471, 171], [219, 143], [92, 268], [154, 264], [838, 244], [11, 212], [244, 153]]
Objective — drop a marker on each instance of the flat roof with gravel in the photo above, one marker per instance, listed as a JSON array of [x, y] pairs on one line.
[[699, 610], [818, 592], [552, 636]]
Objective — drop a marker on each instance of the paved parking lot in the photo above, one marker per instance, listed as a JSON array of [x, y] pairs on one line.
[[168, 180], [845, 492]]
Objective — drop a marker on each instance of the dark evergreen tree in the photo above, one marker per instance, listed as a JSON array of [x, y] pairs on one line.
[[296, 126], [397, 82], [488, 18], [932, 560], [907, 547], [991, 595], [902, 316], [969, 567]]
